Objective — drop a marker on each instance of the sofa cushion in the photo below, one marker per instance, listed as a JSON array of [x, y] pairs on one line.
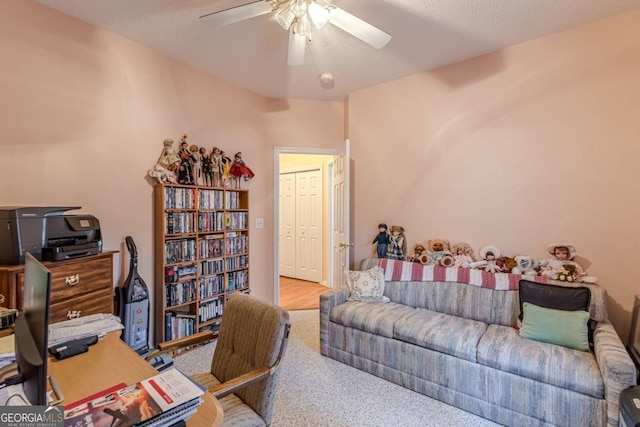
[[369, 316], [441, 332], [367, 285], [502, 348], [561, 327]]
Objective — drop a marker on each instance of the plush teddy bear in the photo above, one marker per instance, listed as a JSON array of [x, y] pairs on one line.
[[489, 255], [439, 252], [419, 255], [562, 267], [462, 255], [525, 265], [506, 263]]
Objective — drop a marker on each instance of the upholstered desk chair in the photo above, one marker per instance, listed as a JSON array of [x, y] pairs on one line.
[[244, 371]]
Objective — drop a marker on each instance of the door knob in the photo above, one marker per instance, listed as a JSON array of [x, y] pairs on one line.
[[344, 245]]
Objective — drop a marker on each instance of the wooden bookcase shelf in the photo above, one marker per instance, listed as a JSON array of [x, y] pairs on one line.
[[201, 255]]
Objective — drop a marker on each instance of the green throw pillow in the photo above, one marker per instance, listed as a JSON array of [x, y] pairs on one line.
[[561, 327]]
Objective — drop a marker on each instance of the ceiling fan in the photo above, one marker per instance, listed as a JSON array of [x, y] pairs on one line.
[[297, 17]]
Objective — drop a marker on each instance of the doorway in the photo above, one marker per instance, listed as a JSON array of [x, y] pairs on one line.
[[327, 158]]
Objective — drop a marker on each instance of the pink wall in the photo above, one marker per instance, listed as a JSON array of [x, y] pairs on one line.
[[84, 112], [530, 145]]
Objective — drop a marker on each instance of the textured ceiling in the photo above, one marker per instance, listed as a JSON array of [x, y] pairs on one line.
[[252, 54]]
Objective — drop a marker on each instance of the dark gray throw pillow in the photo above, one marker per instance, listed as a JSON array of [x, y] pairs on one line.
[[558, 298]]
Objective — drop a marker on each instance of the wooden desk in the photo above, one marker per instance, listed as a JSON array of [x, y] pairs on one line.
[[111, 362]]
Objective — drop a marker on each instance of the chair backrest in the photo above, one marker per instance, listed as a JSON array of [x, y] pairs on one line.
[[253, 333]]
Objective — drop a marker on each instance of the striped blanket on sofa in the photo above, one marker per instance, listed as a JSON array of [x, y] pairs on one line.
[[404, 271]]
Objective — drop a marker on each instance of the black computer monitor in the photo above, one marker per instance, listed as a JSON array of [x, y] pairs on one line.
[[32, 331]]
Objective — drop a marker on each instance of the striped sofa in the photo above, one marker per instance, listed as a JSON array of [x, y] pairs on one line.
[[456, 343]]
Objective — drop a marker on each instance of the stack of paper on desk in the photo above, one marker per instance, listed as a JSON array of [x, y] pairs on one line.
[[162, 400], [82, 327]]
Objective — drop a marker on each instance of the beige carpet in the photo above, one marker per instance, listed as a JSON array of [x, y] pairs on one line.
[[317, 391]]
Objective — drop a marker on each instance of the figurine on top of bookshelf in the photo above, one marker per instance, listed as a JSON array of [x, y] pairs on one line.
[[240, 169], [206, 168], [187, 162], [165, 168], [216, 166], [225, 166]]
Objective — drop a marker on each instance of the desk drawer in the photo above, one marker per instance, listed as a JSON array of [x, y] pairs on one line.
[[92, 303], [73, 279]]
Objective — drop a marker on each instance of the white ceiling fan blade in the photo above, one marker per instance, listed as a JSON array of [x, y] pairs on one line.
[[297, 46], [236, 14], [358, 28]]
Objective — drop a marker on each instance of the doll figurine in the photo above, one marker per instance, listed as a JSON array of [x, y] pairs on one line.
[[489, 255], [165, 168], [239, 169], [382, 240], [225, 166], [187, 161], [216, 166], [439, 252], [562, 267], [206, 168], [462, 255], [397, 243]]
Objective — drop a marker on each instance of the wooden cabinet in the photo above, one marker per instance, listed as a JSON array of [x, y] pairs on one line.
[[201, 255], [79, 286]]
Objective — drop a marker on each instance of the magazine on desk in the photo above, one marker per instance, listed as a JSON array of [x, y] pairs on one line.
[[161, 400]]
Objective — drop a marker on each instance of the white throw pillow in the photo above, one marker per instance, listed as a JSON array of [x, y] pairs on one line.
[[367, 285]]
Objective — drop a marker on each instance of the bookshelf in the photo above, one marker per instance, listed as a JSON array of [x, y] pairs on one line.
[[201, 255]]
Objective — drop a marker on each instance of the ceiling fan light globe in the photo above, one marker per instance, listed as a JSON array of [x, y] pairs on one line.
[[319, 15], [285, 17]]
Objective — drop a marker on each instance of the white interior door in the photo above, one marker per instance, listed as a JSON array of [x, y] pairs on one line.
[[287, 225], [340, 217], [309, 225]]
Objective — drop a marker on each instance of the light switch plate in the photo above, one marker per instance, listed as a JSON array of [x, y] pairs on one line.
[[259, 222]]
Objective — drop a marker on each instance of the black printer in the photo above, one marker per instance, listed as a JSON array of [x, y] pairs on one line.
[[47, 234]]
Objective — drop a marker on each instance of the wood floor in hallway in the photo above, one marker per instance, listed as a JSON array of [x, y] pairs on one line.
[[298, 294]]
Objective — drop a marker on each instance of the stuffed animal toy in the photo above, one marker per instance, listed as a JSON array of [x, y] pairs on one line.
[[419, 255], [439, 252], [462, 255], [506, 263], [397, 248], [489, 255], [562, 267], [525, 265]]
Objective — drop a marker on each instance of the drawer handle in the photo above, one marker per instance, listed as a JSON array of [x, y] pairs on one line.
[[72, 280], [73, 314]]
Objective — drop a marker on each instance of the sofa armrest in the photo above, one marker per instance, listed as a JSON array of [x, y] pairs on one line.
[[328, 300], [617, 368]]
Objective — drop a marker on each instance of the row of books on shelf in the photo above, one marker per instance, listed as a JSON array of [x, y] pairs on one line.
[[178, 324], [236, 243], [179, 250], [211, 221], [209, 310], [180, 293], [211, 285], [211, 246], [166, 399], [237, 280], [210, 199], [235, 220], [211, 266], [237, 262], [179, 198], [233, 200], [177, 273], [179, 222]]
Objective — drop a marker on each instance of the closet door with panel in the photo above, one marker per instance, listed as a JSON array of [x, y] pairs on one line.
[[301, 225]]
